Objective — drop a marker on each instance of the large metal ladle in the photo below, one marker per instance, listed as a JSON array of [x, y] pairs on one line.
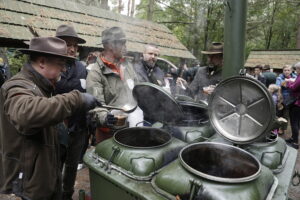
[[127, 108]]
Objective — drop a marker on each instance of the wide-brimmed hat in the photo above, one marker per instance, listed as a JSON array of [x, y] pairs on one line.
[[47, 46], [216, 48], [67, 30], [113, 34]]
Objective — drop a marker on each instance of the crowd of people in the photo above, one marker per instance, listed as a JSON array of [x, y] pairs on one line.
[[53, 105]]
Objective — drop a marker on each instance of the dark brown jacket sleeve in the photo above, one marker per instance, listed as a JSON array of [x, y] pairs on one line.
[[29, 113]]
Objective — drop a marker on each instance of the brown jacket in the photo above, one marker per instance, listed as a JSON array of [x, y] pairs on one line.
[[29, 161]]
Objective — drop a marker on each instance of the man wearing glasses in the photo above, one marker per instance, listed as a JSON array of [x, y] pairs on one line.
[[29, 148], [111, 80]]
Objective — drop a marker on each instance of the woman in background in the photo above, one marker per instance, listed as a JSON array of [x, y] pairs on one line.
[[294, 110]]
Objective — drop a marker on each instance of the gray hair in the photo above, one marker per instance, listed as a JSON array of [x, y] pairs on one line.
[[150, 45], [297, 65]]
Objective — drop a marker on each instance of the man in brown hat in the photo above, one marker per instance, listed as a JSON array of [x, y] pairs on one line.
[[29, 148], [72, 140], [207, 77], [111, 80]]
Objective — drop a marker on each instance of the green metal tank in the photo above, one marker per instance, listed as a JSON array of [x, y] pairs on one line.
[[132, 155], [215, 171], [242, 162]]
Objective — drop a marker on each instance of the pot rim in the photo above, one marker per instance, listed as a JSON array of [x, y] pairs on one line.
[[215, 178], [145, 128]]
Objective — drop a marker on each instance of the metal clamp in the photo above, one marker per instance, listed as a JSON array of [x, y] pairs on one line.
[[243, 72], [196, 186], [115, 152], [270, 152], [296, 178], [195, 131]]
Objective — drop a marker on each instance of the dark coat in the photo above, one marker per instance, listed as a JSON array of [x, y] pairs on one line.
[[73, 78], [29, 149], [204, 78], [261, 79], [270, 78], [146, 74]]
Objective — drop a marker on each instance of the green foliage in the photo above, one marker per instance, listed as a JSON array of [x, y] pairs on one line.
[[16, 60], [271, 24]]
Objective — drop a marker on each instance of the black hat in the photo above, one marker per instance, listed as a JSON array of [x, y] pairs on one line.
[[113, 34], [67, 30], [216, 48], [49, 46]]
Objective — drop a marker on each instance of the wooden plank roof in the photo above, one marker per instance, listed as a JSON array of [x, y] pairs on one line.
[[275, 58], [44, 16]]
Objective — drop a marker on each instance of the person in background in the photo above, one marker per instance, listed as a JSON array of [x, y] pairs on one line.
[[257, 74], [4, 71], [111, 80], [91, 59], [269, 76], [190, 73], [147, 70], [29, 146], [294, 110], [74, 78], [207, 77], [286, 92]]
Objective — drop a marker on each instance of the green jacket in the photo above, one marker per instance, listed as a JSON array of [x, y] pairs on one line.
[[108, 87], [29, 148]]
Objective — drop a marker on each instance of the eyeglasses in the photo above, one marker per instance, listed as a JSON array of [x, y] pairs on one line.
[[121, 42]]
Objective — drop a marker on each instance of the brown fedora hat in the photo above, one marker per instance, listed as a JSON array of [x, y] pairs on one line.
[[67, 30], [216, 48], [48, 46]]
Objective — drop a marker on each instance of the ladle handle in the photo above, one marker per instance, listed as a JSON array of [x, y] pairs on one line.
[[99, 104]]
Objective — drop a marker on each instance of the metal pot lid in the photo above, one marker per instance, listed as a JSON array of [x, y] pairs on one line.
[[156, 103], [241, 109]]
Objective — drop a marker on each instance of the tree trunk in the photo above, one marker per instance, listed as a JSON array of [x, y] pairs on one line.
[[104, 4], [132, 8], [205, 43], [150, 10], [270, 30], [120, 6], [128, 7]]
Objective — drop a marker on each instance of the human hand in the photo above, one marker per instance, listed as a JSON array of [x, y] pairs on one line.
[[181, 82], [110, 120], [209, 89], [89, 101]]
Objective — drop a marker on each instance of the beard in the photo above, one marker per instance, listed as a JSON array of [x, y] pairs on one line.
[[150, 64]]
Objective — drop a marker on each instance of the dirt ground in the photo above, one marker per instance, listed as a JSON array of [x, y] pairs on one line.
[[82, 182]]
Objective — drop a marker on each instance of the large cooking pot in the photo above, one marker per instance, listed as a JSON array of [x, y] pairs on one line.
[[194, 114], [138, 152], [159, 105], [142, 137], [220, 162]]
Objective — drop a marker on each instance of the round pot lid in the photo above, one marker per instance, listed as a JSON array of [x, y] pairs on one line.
[[241, 109], [156, 103]]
